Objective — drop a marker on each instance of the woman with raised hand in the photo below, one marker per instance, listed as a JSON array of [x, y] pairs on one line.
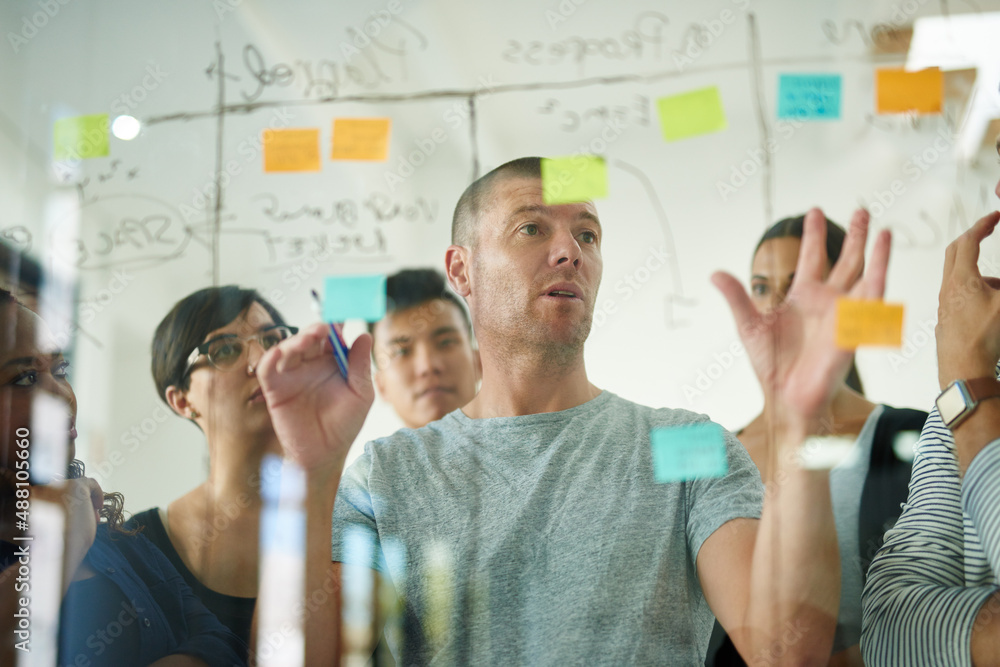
[[122, 601], [204, 358], [867, 486]]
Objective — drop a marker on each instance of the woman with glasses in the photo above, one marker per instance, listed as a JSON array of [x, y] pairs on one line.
[[205, 353], [122, 602]]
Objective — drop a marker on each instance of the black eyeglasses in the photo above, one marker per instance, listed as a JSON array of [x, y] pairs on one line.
[[225, 351]]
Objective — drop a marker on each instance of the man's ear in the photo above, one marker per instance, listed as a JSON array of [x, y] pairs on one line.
[[178, 401], [456, 264]]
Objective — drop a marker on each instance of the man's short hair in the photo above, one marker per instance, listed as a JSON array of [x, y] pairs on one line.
[[476, 198], [415, 287]]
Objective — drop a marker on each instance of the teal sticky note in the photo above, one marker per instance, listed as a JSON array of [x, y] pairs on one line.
[[683, 453], [354, 298], [809, 96]]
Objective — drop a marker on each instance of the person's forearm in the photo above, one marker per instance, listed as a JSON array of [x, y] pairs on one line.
[[322, 602], [978, 430], [985, 641], [795, 577]]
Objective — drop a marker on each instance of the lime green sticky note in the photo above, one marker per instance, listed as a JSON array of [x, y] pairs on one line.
[[574, 179], [80, 137], [354, 297], [692, 113], [683, 453]]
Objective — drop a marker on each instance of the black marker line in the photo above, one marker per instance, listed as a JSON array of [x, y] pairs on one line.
[[677, 293], [220, 126], [767, 181], [473, 142], [453, 93]]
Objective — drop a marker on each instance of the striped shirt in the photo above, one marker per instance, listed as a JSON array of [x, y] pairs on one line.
[[932, 575]]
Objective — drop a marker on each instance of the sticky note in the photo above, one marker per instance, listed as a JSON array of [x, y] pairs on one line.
[[354, 298], [80, 137], [868, 322], [683, 453], [899, 91], [809, 96], [361, 139], [573, 179], [291, 150], [692, 113]]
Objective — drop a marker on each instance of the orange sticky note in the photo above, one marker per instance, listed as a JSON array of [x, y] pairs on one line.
[[361, 139], [899, 91], [291, 150], [868, 322]]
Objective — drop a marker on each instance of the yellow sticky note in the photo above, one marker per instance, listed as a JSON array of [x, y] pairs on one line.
[[80, 137], [868, 322], [361, 139], [691, 114], [291, 150], [574, 179], [899, 91]]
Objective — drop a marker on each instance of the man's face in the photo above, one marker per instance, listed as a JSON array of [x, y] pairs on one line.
[[535, 271], [426, 366]]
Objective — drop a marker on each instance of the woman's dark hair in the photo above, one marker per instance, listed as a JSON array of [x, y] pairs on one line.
[[835, 236], [189, 321], [113, 510]]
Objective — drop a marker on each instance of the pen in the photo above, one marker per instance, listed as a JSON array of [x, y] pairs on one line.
[[339, 348]]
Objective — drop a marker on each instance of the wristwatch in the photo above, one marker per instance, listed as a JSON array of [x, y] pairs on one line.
[[960, 398]]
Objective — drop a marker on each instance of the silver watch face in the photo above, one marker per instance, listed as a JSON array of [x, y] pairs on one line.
[[952, 403]]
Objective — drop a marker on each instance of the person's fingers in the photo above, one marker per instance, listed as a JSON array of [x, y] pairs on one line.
[[992, 282], [967, 246], [812, 254], [848, 268], [96, 493], [359, 362], [872, 286], [291, 353], [736, 296]]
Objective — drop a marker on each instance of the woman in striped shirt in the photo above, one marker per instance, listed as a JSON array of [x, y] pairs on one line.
[[932, 597]]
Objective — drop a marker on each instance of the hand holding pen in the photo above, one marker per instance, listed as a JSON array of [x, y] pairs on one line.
[[318, 401]]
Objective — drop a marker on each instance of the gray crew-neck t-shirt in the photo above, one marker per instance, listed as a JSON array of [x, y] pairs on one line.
[[541, 539]]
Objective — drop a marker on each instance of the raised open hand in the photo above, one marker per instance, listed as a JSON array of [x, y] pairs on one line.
[[968, 330], [315, 413], [792, 348]]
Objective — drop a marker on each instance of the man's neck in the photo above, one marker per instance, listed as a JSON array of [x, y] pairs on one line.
[[529, 385]]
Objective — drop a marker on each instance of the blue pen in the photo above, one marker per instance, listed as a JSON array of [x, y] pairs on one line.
[[339, 348]]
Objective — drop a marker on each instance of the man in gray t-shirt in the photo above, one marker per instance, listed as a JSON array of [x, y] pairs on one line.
[[525, 527], [556, 538]]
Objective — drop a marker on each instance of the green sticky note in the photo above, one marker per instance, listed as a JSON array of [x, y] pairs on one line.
[[80, 137], [692, 113], [574, 179], [683, 453], [354, 298]]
